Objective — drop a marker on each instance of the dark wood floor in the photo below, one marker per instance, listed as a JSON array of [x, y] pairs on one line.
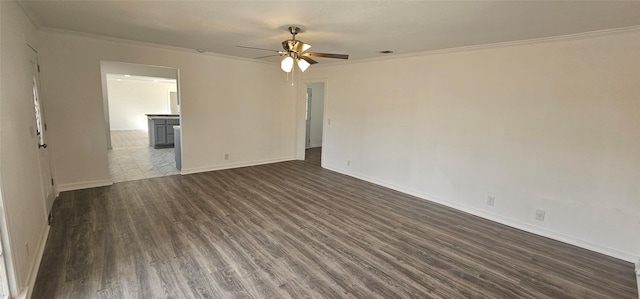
[[313, 155], [295, 230]]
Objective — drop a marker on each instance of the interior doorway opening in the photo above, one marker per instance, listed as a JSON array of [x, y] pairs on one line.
[[314, 121], [142, 120]]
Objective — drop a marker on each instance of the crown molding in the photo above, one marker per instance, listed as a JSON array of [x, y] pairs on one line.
[[575, 36], [27, 11], [148, 44], [568, 37]]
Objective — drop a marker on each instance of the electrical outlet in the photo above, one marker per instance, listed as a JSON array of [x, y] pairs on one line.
[[540, 215], [491, 200], [348, 162], [226, 156]]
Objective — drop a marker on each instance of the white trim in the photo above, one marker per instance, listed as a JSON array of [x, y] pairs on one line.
[[301, 123], [574, 36], [84, 185], [5, 231], [148, 44], [29, 14], [4, 280], [33, 274], [497, 218], [234, 165], [568, 37]]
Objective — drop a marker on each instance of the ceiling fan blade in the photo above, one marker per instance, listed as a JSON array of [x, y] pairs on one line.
[[326, 55], [254, 48], [300, 47], [309, 60], [267, 56]]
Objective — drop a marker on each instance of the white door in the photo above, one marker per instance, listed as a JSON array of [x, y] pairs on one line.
[[307, 142], [40, 131]]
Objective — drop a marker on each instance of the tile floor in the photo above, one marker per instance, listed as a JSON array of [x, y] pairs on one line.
[[132, 159]]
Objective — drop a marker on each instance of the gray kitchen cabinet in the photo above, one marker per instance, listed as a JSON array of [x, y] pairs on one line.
[[161, 130], [178, 151]]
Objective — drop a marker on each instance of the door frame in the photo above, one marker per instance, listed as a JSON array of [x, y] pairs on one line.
[[307, 116], [301, 122], [49, 193], [136, 69]]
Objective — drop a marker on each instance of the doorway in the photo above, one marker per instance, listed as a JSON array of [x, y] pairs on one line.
[[314, 121], [140, 103]]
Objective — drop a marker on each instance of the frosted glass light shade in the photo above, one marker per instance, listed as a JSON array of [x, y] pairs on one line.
[[287, 64], [303, 64]]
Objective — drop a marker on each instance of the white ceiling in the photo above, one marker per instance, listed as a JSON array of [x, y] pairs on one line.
[[358, 28]]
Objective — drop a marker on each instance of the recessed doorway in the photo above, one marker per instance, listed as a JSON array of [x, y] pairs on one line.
[[314, 121]]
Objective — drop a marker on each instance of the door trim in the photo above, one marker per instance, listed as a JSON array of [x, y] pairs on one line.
[[301, 123]]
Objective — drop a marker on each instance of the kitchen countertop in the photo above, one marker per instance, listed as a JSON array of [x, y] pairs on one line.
[[154, 116]]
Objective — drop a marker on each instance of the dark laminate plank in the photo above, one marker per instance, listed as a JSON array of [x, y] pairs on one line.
[[561, 266], [295, 230]]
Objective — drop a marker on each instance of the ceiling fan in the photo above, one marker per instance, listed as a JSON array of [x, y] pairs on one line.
[[294, 51]]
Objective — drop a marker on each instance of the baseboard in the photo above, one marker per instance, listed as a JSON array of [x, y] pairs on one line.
[[499, 219], [638, 276], [84, 185], [234, 165], [33, 274]]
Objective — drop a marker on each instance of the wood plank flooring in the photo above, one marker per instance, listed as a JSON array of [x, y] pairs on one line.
[[295, 230], [313, 155]]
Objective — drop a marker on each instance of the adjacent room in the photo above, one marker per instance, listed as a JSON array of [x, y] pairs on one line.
[[319, 149], [144, 114]]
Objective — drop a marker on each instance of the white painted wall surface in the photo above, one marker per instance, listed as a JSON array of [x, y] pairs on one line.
[[243, 108], [551, 125], [129, 101], [23, 213], [173, 102], [317, 110]]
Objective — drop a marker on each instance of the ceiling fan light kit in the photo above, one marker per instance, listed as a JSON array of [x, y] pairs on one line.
[[303, 64], [287, 64]]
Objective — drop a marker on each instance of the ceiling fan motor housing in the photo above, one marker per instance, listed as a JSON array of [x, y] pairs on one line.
[[293, 45]]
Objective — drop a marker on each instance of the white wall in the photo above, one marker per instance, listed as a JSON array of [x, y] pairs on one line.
[[550, 125], [243, 108], [22, 210], [174, 104], [129, 101], [317, 110]]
